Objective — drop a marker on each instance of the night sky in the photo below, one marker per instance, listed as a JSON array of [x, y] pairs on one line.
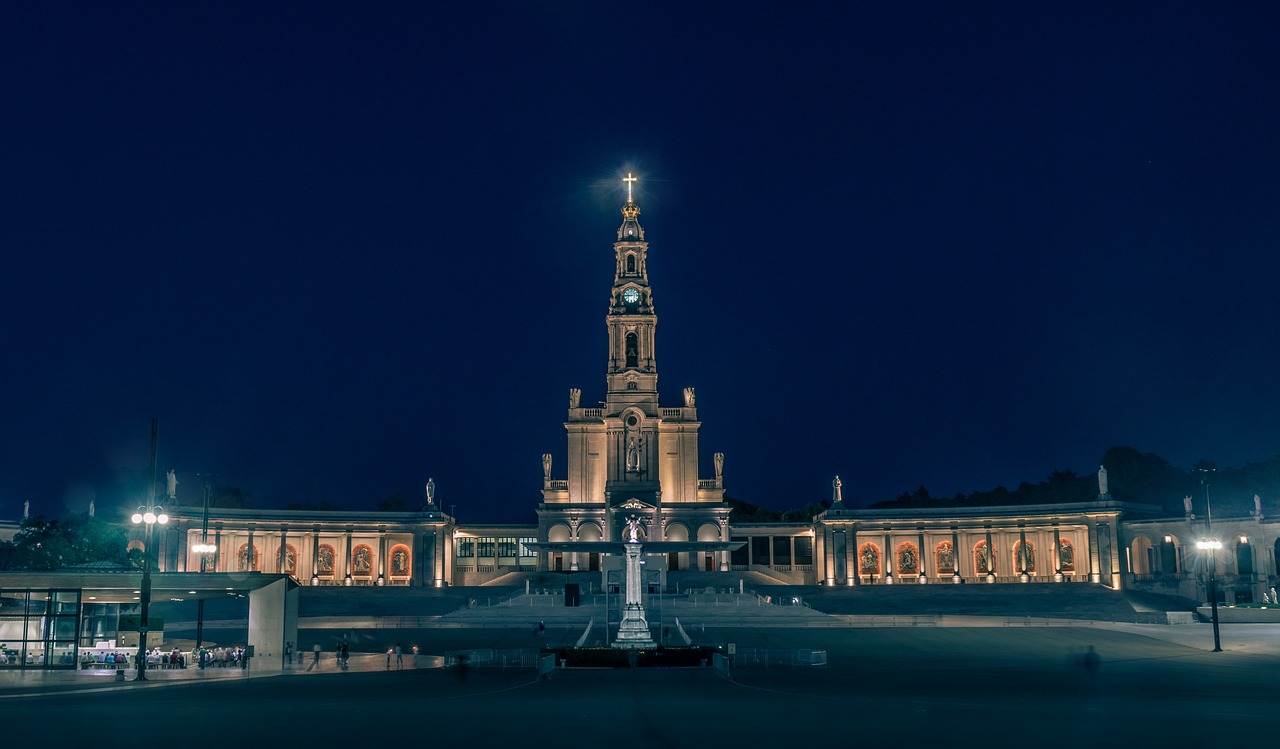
[[339, 248]]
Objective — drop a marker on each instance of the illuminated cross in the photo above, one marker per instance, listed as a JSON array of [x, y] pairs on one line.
[[629, 180]]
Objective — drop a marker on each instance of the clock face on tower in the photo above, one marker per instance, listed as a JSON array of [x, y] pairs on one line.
[[630, 296]]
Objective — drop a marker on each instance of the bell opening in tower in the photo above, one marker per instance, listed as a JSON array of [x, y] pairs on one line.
[[633, 353]]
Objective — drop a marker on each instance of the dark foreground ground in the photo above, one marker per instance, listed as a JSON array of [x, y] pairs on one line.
[[906, 687]]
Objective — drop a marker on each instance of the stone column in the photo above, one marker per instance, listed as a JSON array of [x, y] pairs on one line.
[[315, 551], [1094, 575], [183, 530], [955, 550], [1057, 554], [346, 560], [217, 554], [920, 562], [886, 564], [573, 536], [284, 548], [991, 556], [382, 557], [724, 536], [1116, 551], [249, 551]]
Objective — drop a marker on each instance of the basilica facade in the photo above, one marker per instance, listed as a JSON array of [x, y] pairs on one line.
[[634, 456]]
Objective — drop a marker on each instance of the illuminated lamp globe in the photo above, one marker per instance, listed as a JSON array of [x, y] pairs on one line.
[[149, 517], [137, 518], [162, 518]]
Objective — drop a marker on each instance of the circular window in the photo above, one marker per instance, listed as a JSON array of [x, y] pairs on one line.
[[632, 420]]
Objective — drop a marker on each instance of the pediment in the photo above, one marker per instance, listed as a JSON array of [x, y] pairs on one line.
[[635, 504]]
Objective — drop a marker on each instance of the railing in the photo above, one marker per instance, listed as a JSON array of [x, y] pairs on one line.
[[558, 484], [708, 484], [593, 412], [492, 658], [766, 658], [671, 413]]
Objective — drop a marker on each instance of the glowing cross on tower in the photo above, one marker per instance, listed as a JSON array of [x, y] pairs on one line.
[[629, 180]]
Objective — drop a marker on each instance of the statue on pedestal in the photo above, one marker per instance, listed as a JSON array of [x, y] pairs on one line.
[[688, 397], [546, 468], [633, 530], [431, 492], [172, 490], [1186, 504], [836, 494], [575, 397], [1102, 481], [719, 460]]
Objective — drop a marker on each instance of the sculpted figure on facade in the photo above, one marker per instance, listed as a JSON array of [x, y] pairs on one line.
[[689, 397], [836, 493], [1257, 505], [1186, 504], [633, 529], [719, 461], [1102, 481], [546, 467], [172, 489], [431, 492], [575, 397]]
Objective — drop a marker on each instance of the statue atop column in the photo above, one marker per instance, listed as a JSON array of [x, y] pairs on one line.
[[719, 460], [632, 530], [546, 468], [575, 397], [26, 509], [172, 490], [1186, 505], [837, 496]]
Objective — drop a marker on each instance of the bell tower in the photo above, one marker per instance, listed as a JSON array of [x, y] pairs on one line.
[[632, 375]]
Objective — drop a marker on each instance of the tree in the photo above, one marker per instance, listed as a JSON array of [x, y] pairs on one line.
[[73, 539], [397, 502]]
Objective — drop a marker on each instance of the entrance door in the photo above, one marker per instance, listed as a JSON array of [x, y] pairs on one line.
[[673, 562], [710, 564], [559, 563], [593, 562]]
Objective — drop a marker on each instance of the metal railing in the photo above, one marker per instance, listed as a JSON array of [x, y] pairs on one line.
[[765, 658], [489, 658]]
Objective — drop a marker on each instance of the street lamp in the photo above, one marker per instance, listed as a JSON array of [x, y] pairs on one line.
[[1211, 545], [148, 516]]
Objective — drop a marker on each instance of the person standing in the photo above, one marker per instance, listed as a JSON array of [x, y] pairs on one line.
[[288, 652], [315, 660], [399, 656], [346, 654]]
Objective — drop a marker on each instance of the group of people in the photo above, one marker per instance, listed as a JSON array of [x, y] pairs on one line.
[[223, 657]]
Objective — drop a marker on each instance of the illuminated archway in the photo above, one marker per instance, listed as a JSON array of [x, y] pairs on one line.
[[246, 562], [401, 560], [944, 558], [908, 559], [324, 561], [362, 561], [868, 559]]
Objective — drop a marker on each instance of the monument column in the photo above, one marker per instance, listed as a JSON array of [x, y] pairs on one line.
[[217, 554], [724, 536], [284, 551], [346, 561]]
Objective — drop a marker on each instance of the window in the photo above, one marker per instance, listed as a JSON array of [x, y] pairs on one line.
[[525, 551], [760, 550], [804, 550], [466, 548], [782, 550], [507, 547], [633, 350], [484, 548]]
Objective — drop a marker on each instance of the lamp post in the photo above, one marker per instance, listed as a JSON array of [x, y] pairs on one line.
[[1211, 545], [149, 515], [204, 548]]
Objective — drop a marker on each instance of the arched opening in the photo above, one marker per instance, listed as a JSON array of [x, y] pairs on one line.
[[908, 559], [1066, 556], [1244, 557], [1024, 557], [362, 561], [1141, 556], [246, 562], [982, 558], [401, 562], [590, 532], [633, 350], [1169, 556], [631, 263], [868, 560], [677, 560], [324, 562], [944, 558]]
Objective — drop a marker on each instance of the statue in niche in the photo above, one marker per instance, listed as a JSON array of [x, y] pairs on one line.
[[575, 397], [399, 562], [325, 562], [632, 529], [719, 461], [290, 560], [1026, 557], [1066, 555], [546, 467], [633, 453], [363, 561], [984, 557], [689, 397], [870, 559], [907, 559], [172, 489], [946, 558]]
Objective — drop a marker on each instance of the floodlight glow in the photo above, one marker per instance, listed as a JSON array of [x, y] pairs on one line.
[[1208, 544], [137, 518], [149, 517]]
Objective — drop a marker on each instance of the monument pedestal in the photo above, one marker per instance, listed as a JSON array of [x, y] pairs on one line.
[[634, 630]]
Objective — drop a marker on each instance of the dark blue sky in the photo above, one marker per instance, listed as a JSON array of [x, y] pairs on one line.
[[339, 249]]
